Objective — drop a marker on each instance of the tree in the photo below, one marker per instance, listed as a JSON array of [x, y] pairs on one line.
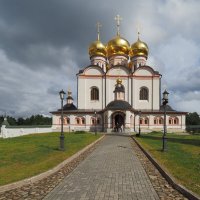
[[20, 121], [192, 119], [11, 120], [33, 120], [1, 119]]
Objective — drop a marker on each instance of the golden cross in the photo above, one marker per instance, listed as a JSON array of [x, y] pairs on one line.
[[98, 30], [69, 90], [118, 19], [138, 30]]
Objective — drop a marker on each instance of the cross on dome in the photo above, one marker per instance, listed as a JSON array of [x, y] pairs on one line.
[[138, 30], [69, 91], [98, 30], [118, 19]]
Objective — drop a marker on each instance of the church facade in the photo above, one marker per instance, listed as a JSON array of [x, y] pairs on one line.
[[118, 91]]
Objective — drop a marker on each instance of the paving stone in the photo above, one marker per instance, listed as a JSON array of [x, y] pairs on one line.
[[112, 164]]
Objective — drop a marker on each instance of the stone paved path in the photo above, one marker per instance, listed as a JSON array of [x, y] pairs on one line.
[[111, 172]]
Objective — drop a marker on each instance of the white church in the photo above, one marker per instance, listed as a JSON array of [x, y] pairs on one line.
[[118, 91]]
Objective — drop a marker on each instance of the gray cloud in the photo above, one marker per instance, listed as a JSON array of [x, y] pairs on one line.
[[43, 44]]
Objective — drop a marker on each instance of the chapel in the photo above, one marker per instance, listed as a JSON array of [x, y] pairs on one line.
[[118, 91]]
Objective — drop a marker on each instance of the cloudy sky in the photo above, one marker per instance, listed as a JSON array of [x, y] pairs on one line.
[[43, 44]]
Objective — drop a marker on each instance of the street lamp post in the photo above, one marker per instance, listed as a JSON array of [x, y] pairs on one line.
[[95, 115], [139, 113], [164, 102], [62, 137]]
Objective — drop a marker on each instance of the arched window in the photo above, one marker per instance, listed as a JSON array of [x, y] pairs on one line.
[[82, 120], [175, 120], [144, 93], [66, 120], [93, 121], [160, 120], [77, 120], [94, 95]]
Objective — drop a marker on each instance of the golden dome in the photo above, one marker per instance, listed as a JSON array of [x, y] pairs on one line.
[[97, 48], [119, 81], [139, 48], [118, 46]]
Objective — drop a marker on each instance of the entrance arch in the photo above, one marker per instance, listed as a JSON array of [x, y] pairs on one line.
[[118, 121]]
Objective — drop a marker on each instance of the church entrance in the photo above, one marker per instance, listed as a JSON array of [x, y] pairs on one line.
[[118, 122]]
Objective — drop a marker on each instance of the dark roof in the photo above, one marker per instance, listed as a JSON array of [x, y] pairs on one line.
[[96, 66], [168, 108], [119, 88], [69, 97], [118, 105], [68, 107], [80, 111]]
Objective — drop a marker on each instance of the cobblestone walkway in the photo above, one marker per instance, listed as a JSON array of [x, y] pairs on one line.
[[112, 171]]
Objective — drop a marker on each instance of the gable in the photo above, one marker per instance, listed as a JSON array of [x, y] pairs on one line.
[[144, 71], [93, 71], [122, 71]]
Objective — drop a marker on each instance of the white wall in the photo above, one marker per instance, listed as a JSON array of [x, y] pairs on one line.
[[145, 78], [15, 132], [92, 77]]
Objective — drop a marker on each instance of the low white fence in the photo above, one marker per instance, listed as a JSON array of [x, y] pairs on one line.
[[8, 132]]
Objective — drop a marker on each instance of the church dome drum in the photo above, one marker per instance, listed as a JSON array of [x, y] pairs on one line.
[[139, 48], [118, 46], [97, 48]]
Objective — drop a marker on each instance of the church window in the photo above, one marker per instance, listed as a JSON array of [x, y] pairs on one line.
[[98, 121], [144, 94], [170, 121], [161, 120], [93, 121], [83, 121], [94, 93], [146, 121], [66, 120], [155, 122], [175, 120], [77, 121]]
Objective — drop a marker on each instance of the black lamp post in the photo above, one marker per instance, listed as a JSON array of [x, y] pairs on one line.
[[139, 113], [62, 137], [95, 116], [164, 103]]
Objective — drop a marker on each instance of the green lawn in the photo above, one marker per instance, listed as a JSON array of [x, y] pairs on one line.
[[30, 155], [182, 158]]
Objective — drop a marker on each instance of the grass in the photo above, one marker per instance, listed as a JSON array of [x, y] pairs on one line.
[[26, 156], [182, 159]]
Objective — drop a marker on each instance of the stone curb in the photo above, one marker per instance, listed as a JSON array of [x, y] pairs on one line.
[[187, 193], [43, 175]]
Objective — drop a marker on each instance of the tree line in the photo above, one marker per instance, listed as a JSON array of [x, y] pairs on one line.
[[192, 119], [33, 120]]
